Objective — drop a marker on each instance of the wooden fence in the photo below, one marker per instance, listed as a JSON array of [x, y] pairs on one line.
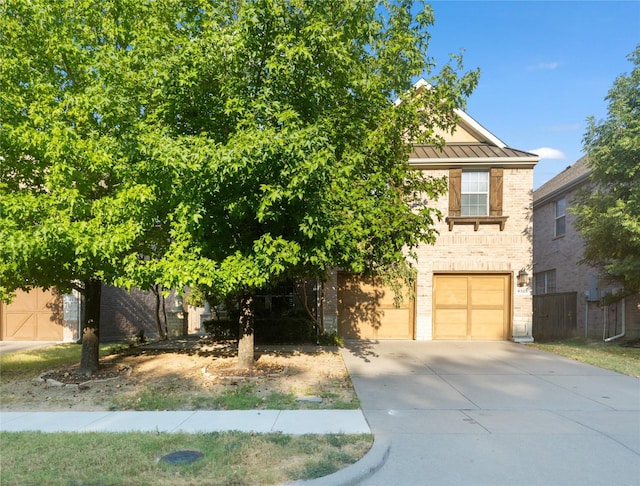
[[554, 316]]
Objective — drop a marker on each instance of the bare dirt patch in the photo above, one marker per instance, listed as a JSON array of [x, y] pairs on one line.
[[190, 374]]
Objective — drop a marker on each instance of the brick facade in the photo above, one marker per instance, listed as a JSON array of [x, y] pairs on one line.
[[123, 314], [465, 250], [487, 250]]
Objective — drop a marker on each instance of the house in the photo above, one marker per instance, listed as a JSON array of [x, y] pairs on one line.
[[473, 283], [558, 274]]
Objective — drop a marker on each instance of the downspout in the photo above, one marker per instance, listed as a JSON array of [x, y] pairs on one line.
[[586, 318], [623, 325]]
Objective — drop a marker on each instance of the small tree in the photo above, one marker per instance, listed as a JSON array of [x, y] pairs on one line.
[[608, 215]]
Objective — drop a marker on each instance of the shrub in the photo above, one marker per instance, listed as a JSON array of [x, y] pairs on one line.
[[285, 330], [281, 330], [330, 339], [221, 329]]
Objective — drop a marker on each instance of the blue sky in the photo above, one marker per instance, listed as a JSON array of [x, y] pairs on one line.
[[545, 67]]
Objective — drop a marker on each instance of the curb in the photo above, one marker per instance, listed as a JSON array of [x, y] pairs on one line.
[[355, 473]]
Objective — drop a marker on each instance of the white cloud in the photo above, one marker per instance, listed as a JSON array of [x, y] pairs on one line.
[[543, 66], [548, 153]]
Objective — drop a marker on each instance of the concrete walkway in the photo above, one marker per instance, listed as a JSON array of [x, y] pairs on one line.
[[259, 421], [7, 347], [480, 413]]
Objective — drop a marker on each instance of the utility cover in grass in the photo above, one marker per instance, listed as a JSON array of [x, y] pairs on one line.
[[182, 457]]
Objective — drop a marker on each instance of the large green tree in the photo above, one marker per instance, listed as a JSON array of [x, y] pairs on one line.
[[88, 185], [608, 216], [308, 162], [220, 144]]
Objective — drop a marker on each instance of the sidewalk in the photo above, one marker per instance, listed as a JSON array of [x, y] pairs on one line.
[[295, 422]]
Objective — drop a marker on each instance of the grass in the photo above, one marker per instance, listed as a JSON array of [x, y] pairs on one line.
[[230, 458], [28, 364], [611, 356], [242, 397]]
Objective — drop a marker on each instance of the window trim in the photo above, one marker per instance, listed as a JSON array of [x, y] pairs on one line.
[[544, 279], [495, 200], [484, 195]]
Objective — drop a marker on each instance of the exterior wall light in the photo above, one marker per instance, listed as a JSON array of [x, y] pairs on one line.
[[523, 278]]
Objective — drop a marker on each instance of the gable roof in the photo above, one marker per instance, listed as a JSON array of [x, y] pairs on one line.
[[567, 179], [471, 144]]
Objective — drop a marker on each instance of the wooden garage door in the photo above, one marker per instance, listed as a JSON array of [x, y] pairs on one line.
[[32, 316], [471, 307], [366, 310]]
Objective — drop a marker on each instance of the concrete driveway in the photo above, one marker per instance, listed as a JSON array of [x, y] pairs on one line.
[[495, 413]]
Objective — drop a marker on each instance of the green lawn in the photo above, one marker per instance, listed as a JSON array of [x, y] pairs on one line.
[[611, 356], [31, 363], [133, 458]]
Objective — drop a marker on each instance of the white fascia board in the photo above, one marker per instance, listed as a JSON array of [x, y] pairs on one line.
[[475, 126], [474, 162], [467, 120]]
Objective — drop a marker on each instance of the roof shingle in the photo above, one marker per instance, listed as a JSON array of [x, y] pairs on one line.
[[571, 175]]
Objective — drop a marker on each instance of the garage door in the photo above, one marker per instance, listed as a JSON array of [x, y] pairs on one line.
[[32, 316], [366, 310], [471, 307]]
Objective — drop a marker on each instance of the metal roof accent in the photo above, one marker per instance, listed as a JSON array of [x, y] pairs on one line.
[[466, 153]]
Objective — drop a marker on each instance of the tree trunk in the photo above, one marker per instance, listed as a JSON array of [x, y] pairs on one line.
[[246, 335], [185, 318], [89, 359], [321, 317], [164, 315], [162, 335]]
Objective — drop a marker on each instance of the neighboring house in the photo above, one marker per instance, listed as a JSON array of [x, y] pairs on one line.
[[37, 315], [41, 315], [473, 284], [565, 290]]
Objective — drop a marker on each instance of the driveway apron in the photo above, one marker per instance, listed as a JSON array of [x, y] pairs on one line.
[[495, 413]]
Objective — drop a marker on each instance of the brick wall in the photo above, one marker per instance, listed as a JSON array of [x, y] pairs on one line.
[[123, 313], [464, 250], [486, 250], [331, 303]]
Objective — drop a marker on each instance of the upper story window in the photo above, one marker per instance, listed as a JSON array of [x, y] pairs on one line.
[[561, 217], [474, 193], [475, 197]]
